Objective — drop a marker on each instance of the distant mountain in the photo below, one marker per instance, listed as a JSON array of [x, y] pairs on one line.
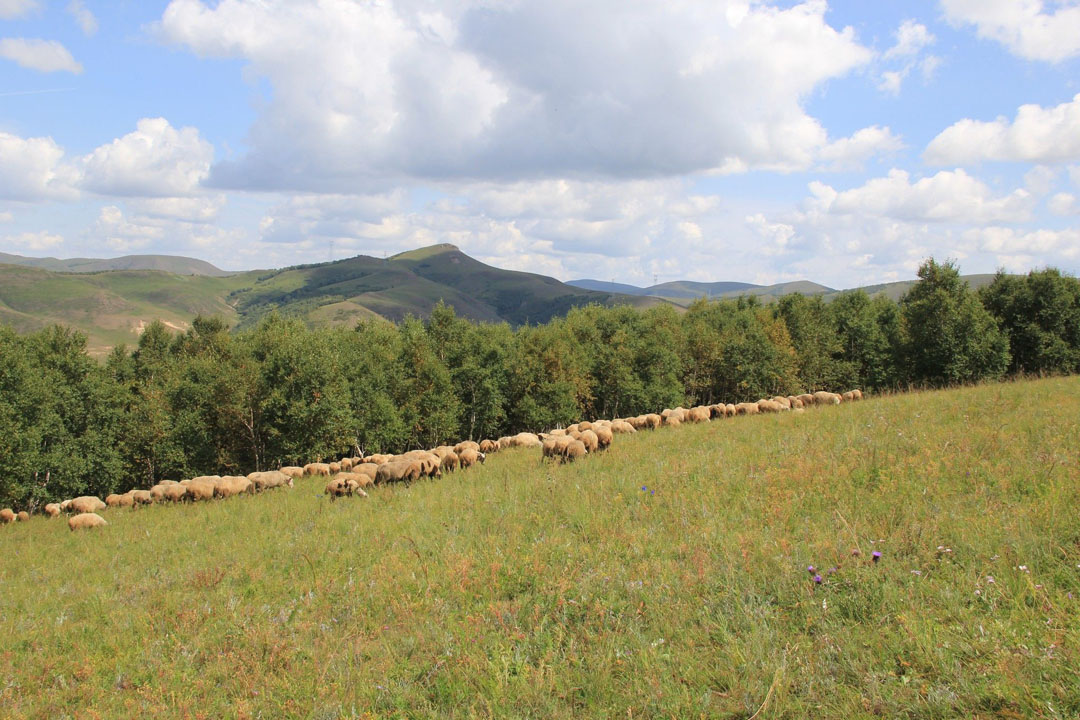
[[165, 263], [680, 290], [896, 290], [606, 286]]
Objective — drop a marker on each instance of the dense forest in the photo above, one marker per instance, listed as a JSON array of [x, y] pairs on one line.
[[214, 401]]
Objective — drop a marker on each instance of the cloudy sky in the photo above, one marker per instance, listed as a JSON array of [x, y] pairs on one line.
[[840, 141]]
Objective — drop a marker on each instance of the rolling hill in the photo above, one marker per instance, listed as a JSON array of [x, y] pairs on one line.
[[166, 263]]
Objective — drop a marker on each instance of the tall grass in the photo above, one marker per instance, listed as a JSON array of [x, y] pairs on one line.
[[666, 577]]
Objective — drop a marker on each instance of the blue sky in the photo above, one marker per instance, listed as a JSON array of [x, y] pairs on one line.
[[840, 141]]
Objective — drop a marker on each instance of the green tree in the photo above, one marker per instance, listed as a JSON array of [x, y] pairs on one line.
[[1040, 314], [868, 333], [949, 337]]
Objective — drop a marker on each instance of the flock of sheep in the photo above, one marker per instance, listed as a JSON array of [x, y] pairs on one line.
[[349, 476]]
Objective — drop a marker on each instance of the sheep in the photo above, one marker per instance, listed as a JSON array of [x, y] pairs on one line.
[[604, 436], [335, 467], [64, 505], [141, 497], [22, 516], [367, 470], [378, 459], [769, 406], [466, 444], [200, 491], [341, 486], [346, 464], [826, 398], [523, 439], [157, 493], [856, 394], [489, 446], [212, 479], [293, 471], [317, 469], [806, 398], [86, 504], [571, 429], [698, 414], [168, 482], [553, 446], [234, 485], [652, 421], [717, 411], [52, 509], [589, 439], [269, 479], [573, 450], [124, 500], [558, 432], [796, 403], [747, 408], [450, 462], [359, 479], [852, 395], [7, 515], [672, 421], [469, 457], [785, 402], [405, 471], [175, 493], [622, 427], [585, 425], [85, 520]]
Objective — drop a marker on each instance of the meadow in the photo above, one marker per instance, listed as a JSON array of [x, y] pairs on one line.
[[667, 577]]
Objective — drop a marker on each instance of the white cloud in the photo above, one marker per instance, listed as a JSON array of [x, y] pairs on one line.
[[36, 241], [83, 17], [911, 38], [156, 160], [10, 9], [190, 209], [365, 94], [850, 153], [1064, 204], [1037, 134], [1033, 243], [6, 217], [1023, 26], [33, 169], [41, 55], [948, 196]]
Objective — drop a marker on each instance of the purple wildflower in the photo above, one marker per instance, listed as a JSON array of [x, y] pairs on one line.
[[833, 570], [876, 556], [644, 488], [810, 569], [817, 579]]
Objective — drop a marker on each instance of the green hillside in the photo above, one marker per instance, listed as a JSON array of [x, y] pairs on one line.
[[666, 577], [165, 263]]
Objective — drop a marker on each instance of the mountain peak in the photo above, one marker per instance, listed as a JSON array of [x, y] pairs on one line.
[[426, 252]]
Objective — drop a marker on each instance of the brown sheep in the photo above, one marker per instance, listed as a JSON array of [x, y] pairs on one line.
[[746, 408], [168, 482], [86, 504], [698, 414], [672, 421], [317, 469], [175, 493], [717, 411], [22, 516], [470, 457], [769, 406], [558, 432], [64, 505], [52, 509], [653, 421], [405, 471], [450, 462], [856, 394], [335, 467], [293, 471], [157, 493], [796, 403], [806, 398], [466, 444], [234, 485], [200, 491], [269, 480], [360, 479], [783, 400], [585, 425], [346, 464], [826, 398], [573, 450], [622, 427], [604, 436], [212, 479], [141, 497], [85, 520], [366, 469], [589, 439], [378, 459], [553, 446], [7, 515], [571, 429], [124, 500], [339, 487], [489, 446]]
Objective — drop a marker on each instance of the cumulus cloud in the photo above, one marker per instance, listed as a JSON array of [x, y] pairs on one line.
[[1064, 204], [34, 169], [41, 55], [365, 94], [1028, 28], [1037, 134], [850, 153], [10, 9], [948, 196], [86, 20], [35, 241], [156, 160], [911, 39], [1032, 243]]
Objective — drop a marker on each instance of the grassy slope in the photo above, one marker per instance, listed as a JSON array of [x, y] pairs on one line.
[[521, 590], [166, 263]]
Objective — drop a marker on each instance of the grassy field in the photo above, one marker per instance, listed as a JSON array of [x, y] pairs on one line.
[[665, 578]]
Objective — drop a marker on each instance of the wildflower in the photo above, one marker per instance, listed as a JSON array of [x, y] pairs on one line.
[[810, 569], [652, 492], [856, 553], [1023, 568], [644, 488], [916, 572], [978, 592], [876, 556], [990, 579], [833, 569], [818, 579]]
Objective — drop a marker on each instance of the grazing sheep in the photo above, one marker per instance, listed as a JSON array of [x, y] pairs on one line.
[[466, 444], [378, 459], [157, 493], [489, 446], [175, 493], [826, 398], [672, 421], [340, 487], [653, 421], [293, 471], [64, 505], [366, 469], [124, 500], [234, 485], [450, 462], [141, 497], [589, 439], [86, 504], [7, 515], [698, 414], [769, 406], [604, 436], [269, 480], [212, 479], [335, 467], [525, 440], [717, 411], [806, 398], [469, 457], [856, 394], [360, 479], [783, 400], [52, 509], [571, 429], [585, 425], [317, 469], [168, 482], [747, 408], [558, 432], [553, 446], [405, 471], [84, 521], [346, 464], [22, 516], [622, 427], [796, 403], [200, 491], [573, 450]]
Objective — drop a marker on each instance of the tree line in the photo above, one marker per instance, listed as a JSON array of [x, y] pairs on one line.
[[214, 401]]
